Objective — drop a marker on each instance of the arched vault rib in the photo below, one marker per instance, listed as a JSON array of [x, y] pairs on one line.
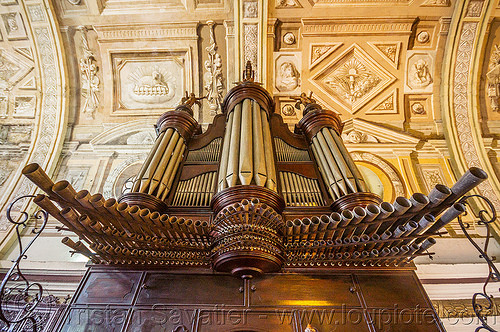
[[51, 113], [459, 94]]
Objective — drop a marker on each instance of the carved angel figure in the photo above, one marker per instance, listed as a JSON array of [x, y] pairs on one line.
[[422, 73]]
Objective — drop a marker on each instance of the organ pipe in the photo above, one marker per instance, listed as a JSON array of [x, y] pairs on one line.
[[245, 160], [154, 181], [338, 170]]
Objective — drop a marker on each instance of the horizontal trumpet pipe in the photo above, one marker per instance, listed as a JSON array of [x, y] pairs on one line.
[[38, 176]]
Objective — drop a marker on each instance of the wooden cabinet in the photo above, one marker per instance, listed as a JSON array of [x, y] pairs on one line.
[[153, 301], [183, 289]]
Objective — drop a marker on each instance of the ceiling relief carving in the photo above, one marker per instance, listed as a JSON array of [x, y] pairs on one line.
[[20, 101], [24, 106], [389, 104], [319, 51], [287, 68], [314, 27], [352, 79], [150, 66], [420, 71], [389, 51], [13, 68], [149, 81], [14, 26]]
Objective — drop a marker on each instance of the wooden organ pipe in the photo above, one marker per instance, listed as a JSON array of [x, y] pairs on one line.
[[247, 156]]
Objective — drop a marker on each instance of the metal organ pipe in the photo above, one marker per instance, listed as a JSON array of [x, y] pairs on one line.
[[245, 159], [154, 181], [336, 166]]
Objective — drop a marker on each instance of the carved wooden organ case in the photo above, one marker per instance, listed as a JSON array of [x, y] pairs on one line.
[[248, 196]]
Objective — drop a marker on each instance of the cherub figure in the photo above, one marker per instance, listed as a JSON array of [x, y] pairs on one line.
[[190, 99], [304, 99]]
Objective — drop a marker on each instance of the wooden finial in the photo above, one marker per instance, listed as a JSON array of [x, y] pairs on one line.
[[248, 74]]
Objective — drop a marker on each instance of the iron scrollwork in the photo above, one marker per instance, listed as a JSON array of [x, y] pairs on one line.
[[15, 287], [485, 218]]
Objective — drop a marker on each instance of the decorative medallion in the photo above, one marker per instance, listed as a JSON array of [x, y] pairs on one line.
[[352, 79], [390, 51], [418, 108], [288, 110], [319, 51]]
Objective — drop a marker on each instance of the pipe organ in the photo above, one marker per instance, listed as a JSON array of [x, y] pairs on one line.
[[250, 199]]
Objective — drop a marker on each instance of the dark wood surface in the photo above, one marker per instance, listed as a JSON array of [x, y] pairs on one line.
[[161, 300]]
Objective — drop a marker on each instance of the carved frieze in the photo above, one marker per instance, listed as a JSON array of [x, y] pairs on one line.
[[36, 13], [419, 72], [475, 8], [287, 67], [352, 79], [376, 133], [432, 175], [146, 32], [375, 26], [364, 2]]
